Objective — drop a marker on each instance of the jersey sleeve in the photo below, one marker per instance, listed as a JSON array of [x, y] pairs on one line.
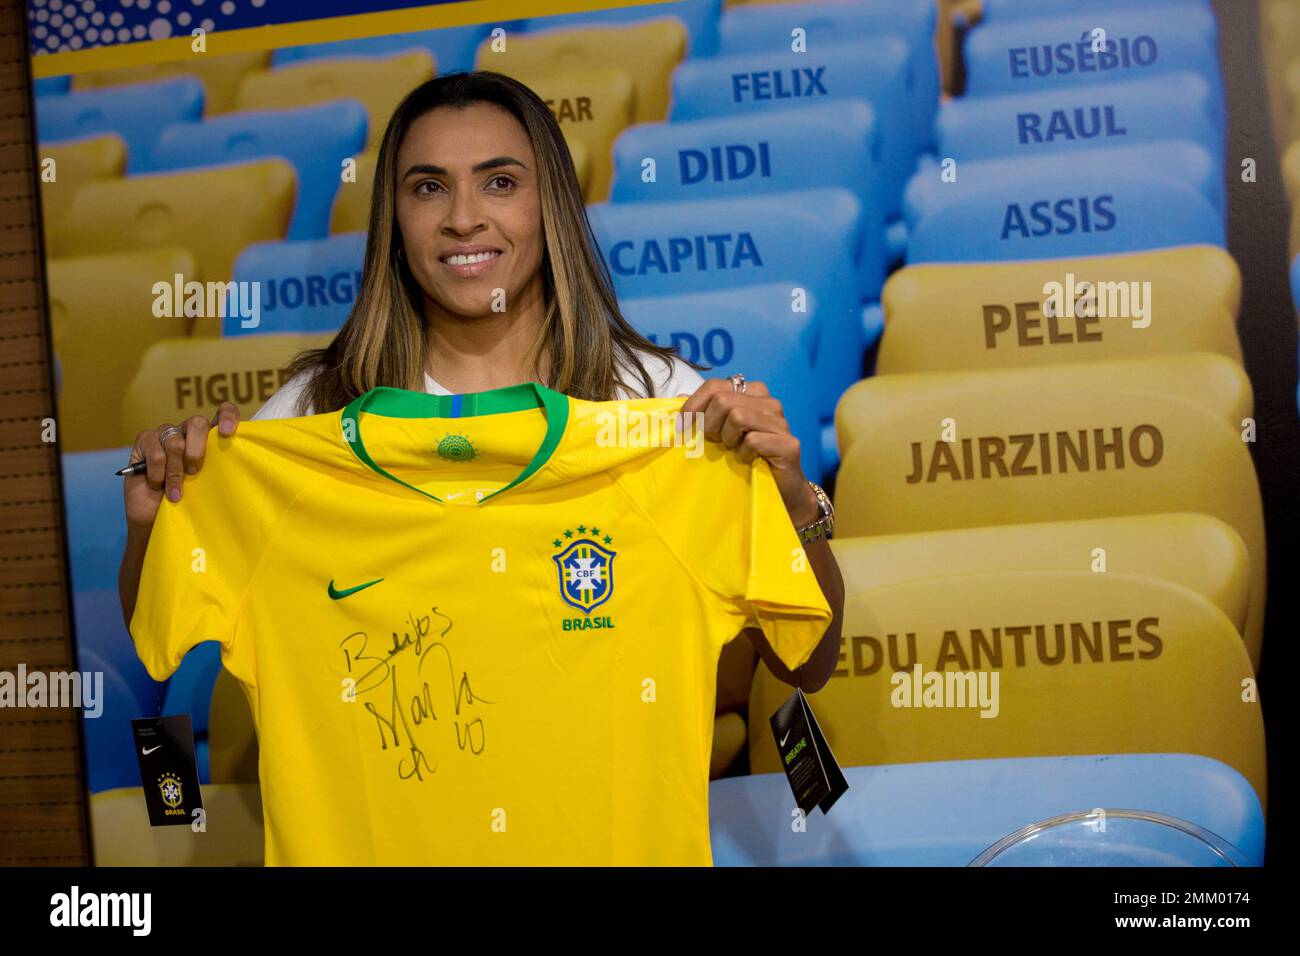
[[727, 522], [201, 557]]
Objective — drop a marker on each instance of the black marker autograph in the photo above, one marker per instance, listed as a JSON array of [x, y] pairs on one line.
[[375, 670]]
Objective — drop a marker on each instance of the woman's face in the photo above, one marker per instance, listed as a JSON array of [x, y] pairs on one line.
[[469, 210]]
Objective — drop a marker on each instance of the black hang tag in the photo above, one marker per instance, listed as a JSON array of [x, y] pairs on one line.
[[165, 748], [814, 774]]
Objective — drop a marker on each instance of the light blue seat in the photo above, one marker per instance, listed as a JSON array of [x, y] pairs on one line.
[[751, 29], [315, 139], [1025, 56], [189, 689], [806, 239], [994, 11], [1051, 217], [96, 522], [137, 112], [96, 528], [109, 741], [752, 155], [1178, 106], [877, 70], [1179, 161], [306, 286], [947, 813], [1295, 296], [700, 17], [453, 48], [52, 85], [750, 330]]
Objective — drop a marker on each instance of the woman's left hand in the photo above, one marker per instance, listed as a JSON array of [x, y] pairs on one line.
[[753, 424]]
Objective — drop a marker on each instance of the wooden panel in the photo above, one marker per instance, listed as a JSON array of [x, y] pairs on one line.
[[42, 789]]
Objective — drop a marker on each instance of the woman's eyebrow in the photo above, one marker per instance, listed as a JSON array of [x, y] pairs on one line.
[[495, 162]]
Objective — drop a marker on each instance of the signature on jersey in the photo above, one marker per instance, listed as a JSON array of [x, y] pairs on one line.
[[396, 685]]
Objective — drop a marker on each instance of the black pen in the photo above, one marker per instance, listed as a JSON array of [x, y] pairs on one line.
[[135, 468]]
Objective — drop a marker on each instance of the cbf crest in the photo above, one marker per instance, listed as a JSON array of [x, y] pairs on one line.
[[585, 568]]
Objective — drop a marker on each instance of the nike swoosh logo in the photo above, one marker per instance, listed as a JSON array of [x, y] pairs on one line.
[[785, 738], [148, 750], [339, 595], [456, 495]]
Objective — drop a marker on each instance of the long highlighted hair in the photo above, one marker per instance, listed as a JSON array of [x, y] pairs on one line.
[[583, 333]]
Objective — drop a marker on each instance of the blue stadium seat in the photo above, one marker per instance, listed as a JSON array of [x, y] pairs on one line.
[[994, 11], [1025, 56], [876, 69], [315, 139], [136, 112], [453, 48], [189, 689], [805, 239], [96, 539], [1178, 106], [700, 17], [1179, 161], [751, 155], [306, 286], [750, 330], [749, 29], [946, 813], [52, 85], [1043, 219], [109, 740], [96, 523]]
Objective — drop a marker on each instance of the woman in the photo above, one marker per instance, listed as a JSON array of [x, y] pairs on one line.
[[481, 272]]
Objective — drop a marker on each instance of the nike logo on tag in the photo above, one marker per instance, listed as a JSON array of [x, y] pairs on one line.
[[148, 750], [785, 738], [339, 595], [456, 495]]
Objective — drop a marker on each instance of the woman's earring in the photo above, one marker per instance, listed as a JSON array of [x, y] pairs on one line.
[[401, 253]]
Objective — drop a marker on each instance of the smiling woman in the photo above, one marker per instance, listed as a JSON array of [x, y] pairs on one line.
[[480, 267], [481, 273]]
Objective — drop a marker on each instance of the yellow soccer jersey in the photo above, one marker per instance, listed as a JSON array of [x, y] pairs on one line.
[[478, 629]]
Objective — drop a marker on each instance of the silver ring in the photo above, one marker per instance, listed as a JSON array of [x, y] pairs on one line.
[[738, 383], [165, 433]]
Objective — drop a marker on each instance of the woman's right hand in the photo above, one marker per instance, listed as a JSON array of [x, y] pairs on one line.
[[169, 462]]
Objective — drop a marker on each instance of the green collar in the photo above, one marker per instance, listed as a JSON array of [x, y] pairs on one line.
[[399, 403]]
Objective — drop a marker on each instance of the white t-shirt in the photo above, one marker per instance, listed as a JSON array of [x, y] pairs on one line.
[[681, 379]]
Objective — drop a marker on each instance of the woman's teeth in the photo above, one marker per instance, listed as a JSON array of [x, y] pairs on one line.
[[467, 260]]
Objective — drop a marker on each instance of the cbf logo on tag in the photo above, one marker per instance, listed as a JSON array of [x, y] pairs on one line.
[[585, 570]]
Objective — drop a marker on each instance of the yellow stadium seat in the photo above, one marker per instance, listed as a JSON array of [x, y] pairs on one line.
[[232, 735], [76, 163], [729, 736], [1084, 664], [582, 167], [379, 83], [232, 834], [934, 450], [995, 314], [351, 212], [213, 212], [220, 75], [647, 51], [1291, 172], [183, 377], [1291, 102], [592, 107], [1280, 41], [1195, 551], [103, 321]]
